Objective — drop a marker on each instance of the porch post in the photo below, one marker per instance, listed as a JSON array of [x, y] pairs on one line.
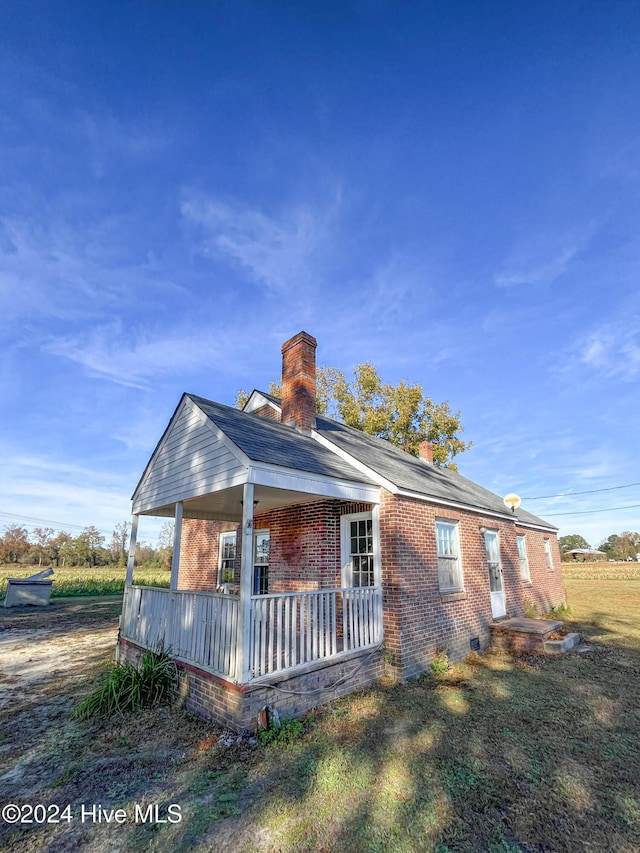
[[132, 550], [170, 630], [377, 572], [243, 642], [175, 557]]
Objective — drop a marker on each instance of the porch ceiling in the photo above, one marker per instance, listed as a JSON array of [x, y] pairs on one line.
[[226, 505]]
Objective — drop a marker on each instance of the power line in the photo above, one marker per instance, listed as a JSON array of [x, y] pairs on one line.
[[591, 511], [590, 492], [59, 524]]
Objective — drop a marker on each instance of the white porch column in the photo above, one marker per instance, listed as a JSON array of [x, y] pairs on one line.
[[177, 537], [243, 642], [171, 631], [132, 550], [377, 571]]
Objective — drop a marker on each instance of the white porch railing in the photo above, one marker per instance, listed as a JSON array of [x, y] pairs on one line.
[[287, 630], [144, 615], [294, 628], [198, 627]]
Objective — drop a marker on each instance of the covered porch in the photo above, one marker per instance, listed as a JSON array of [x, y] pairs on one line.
[[250, 635]]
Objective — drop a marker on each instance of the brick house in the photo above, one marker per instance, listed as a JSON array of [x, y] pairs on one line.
[[309, 557]]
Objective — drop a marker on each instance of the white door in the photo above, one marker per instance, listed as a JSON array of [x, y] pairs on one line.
[[496, 586]]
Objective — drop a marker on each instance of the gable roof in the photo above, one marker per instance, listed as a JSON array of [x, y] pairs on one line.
[[410, 473], [273, 443]]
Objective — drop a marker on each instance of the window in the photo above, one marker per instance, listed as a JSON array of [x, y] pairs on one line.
[[227, 559], [449, 568], [524, 562], [547, 553], [357, 550], [261, 562]]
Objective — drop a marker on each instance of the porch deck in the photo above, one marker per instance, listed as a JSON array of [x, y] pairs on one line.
[[287, 631]]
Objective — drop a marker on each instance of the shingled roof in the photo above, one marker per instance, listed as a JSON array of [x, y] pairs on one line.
[[274, 443], [410, 473]]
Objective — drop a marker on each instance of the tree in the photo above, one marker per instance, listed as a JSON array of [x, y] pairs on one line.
[[120, 542], [623, 545], [401, 413], [41, 549], [165, 544], [571, 541], [88, 544], [14, 544]]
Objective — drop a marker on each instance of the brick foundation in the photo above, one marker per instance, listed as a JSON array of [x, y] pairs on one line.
[[237, 708]]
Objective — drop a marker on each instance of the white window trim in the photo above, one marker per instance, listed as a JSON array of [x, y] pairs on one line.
[[225, 534], [547, 553], [455, 526], [345, 545], [254, 563], [523, 557]]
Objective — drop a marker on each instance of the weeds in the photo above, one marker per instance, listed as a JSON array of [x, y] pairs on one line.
[[440, 663], [562, 611], [290, 730], [126, 688]]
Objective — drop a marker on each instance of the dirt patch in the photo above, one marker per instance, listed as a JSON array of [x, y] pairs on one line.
[[49, 658]]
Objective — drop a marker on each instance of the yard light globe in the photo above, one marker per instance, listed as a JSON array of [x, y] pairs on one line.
[[512, 501]]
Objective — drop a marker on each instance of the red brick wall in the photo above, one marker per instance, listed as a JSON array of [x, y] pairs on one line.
[[547, 586], [267, 412], [304, 546], [200, 552], [418, 619]]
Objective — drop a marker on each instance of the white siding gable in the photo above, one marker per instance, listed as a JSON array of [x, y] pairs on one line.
[[194, 458]]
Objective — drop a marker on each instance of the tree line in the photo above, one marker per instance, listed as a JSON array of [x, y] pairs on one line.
[[45, 546], [617, 546]]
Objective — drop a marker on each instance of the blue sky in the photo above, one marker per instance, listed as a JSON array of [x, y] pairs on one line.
[[450, 190]]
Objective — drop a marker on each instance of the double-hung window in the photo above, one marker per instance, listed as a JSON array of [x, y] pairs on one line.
[[227, 559], [449, 567], [525, 575], [261, 562], [547, 553], [357, 550]]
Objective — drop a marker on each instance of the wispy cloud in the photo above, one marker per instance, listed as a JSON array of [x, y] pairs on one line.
[[134, 357], [540, 259], [50, 269], [613, 349], [60, 491], [280, 252]]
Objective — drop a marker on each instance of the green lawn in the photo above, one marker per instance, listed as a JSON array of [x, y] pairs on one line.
[[502, 754]]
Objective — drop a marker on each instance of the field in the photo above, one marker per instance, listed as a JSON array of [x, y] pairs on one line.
[[504, 754], [601, 571], [86, 581]]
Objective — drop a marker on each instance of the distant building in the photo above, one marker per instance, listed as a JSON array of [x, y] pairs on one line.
[[586, 555]]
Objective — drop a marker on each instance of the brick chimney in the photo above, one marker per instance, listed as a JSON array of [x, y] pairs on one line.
[[425, 451], [299, 382]]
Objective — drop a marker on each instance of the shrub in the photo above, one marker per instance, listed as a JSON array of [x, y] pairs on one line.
[[125, 688]]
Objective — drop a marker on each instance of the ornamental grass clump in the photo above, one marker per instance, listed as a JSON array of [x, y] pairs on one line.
[[125, 688]]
